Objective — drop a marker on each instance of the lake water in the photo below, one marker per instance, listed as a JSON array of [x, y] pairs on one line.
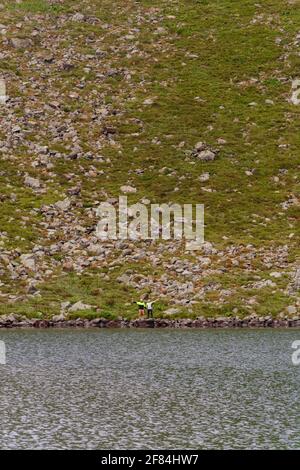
[[149, 389]]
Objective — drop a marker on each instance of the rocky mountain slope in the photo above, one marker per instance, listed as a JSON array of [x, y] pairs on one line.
[[107, 95]]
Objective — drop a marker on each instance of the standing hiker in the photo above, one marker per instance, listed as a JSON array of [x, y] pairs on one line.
[[149, 306], [141, 305]]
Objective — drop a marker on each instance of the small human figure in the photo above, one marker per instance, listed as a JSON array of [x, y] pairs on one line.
[[141, 305], [149, 306]]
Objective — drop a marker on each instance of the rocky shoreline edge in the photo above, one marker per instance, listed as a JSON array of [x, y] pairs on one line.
[[230, 322]]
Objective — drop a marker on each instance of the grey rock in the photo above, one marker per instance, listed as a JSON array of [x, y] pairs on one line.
[[206, 156], [79, 306], [204, 177], [200, 146], [64, 306], [19, 43], [172, 311], [124, 279], [63, 205], [128, 189], [28, 261], [78, 17], [294, 286], [291, 309], [59, 318], [33, 183]]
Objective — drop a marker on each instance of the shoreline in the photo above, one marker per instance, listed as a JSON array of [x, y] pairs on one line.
[[182, 323]]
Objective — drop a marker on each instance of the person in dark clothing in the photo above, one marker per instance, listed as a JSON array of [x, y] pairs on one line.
[[149, 306]]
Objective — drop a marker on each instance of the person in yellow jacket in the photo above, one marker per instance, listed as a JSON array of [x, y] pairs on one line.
[[141, 305]]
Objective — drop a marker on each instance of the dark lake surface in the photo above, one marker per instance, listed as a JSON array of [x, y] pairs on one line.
[[149, 389]]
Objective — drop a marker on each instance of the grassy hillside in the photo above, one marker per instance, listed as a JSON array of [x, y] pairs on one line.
[[104, 94]]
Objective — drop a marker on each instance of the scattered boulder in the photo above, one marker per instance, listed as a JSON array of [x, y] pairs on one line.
[[294, 285], [64, 306], [204, 177], [79, 306], [276, 275], [74, 191], [31, 289], [19, 43], [95, 249], [63, 205], [58, 318], [68, 266], [124, 279], [32, 183], [206, 156], [128, 189], [294, 99], [172, 311], [291, 310], [203, 152], [262, 284], [200, 146], [78, 17], [148, 101], [3, 97], [28, 261]]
